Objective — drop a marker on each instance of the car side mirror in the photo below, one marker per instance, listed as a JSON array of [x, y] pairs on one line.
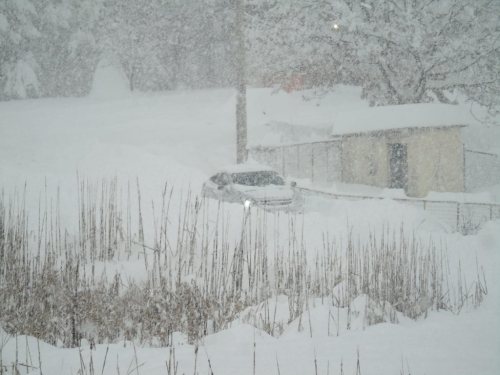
[[293, 184]]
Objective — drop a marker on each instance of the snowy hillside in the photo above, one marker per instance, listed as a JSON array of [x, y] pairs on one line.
[[69, 165]]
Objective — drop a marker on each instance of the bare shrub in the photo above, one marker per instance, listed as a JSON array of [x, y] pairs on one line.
[[198, 280]]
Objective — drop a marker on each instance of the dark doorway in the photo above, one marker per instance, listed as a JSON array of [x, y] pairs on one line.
[[398, 166]]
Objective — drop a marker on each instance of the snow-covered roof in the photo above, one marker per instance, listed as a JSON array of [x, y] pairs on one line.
[[400, 117], [250, 166]]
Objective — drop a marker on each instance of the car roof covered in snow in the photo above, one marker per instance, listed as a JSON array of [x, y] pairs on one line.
[[243, 168], [405, 116]]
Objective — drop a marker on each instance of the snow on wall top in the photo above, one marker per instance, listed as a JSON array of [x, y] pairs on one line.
[[400, 117]]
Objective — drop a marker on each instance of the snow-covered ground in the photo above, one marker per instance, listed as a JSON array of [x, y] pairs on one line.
[[181, 138]]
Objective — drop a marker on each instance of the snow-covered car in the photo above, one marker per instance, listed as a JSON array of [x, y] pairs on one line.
[[253, 187]]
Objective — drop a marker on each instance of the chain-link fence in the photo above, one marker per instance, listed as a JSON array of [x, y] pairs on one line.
[[466, 218], [319, 161], [481, 169]]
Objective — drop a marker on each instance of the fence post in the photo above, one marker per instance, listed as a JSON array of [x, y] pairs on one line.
[[342, 161], [327, 163], [312, 162], [458, 217], [283, 157], [464, 186], [298, 161]]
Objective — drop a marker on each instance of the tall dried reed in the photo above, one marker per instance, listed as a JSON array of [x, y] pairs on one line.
[[200, 274]]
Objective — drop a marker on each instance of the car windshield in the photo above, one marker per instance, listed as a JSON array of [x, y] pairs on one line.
[[262, 178]]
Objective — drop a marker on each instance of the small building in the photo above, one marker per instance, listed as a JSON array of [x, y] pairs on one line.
[[415, 147]]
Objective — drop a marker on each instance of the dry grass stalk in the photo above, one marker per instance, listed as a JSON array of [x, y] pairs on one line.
[[204, 281]]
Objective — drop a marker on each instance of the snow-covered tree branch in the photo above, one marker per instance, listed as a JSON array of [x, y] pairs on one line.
[[400, 52]]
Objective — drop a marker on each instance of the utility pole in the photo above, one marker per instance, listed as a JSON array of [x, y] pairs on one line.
[[241, 91]]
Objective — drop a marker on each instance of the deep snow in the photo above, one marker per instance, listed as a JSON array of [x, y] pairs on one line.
[[183, 137]]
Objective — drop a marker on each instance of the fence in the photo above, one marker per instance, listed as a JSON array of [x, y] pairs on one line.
[[466, 218], [319, 161], [480, 169]]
